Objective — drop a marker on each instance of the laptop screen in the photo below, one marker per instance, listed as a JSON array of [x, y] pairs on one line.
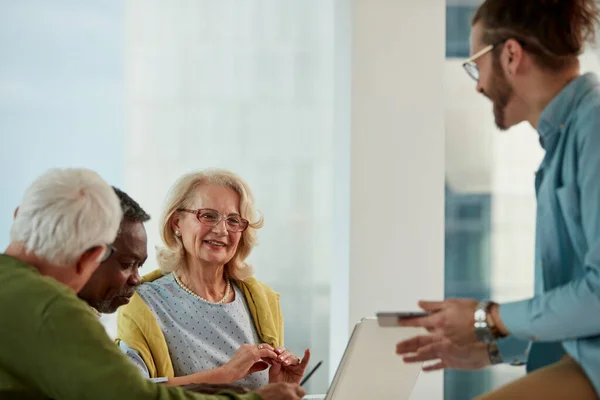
[[370, 367]]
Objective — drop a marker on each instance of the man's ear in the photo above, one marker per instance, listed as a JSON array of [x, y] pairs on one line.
[[16, 212], [90, 260], [514, 55]]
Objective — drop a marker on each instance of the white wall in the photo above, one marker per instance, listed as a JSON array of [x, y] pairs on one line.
[[397, 160]]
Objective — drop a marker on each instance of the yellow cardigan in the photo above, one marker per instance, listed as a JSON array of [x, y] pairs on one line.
[[137, 325]]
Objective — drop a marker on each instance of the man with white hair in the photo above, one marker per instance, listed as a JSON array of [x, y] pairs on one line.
[[53, 346]]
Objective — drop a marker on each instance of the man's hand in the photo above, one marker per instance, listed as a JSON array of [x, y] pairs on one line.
[[429, 347], [453, 319], [281, 391]]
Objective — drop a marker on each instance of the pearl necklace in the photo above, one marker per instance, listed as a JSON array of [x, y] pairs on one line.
[[188, 290]]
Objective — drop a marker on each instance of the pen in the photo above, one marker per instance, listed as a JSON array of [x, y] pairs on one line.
[[310, 373]]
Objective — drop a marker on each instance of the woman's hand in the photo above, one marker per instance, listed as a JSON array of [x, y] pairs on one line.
[[249, 358], [288, 367]]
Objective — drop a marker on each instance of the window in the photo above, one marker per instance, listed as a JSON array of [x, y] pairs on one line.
[[248, 87], [145, 91]]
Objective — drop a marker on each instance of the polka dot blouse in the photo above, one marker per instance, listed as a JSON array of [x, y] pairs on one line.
[[200, 335]]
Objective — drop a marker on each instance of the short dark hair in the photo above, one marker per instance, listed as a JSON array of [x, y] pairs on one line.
[[554, 32], [131, 208]]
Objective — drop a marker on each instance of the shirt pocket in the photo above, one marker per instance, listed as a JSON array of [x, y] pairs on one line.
[[568, 199]]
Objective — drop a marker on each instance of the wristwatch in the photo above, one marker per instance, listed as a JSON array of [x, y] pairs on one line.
[[485, 330]]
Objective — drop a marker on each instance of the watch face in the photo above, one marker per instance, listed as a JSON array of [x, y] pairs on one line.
[[480, 315]]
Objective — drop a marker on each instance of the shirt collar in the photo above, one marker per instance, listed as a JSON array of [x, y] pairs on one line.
[[96, 312], [556, 113]]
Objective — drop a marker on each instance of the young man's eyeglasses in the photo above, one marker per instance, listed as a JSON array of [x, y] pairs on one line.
[[470, 66], [208, 217]]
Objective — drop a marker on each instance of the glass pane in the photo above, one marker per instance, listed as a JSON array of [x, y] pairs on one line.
[[246, 86], [143, 91], [61, 87]]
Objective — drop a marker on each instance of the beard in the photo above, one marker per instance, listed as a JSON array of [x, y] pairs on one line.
[[500, 92], [109, 306], [105, 307]]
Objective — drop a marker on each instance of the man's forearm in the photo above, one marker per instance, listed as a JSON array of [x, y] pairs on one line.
[[211, 376]]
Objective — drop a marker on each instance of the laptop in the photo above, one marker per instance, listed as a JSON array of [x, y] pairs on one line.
[[370, 367]]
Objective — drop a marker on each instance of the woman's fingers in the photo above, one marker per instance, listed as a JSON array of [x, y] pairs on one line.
[[259, 366], [287, 358], [266, 353], [261, 346]]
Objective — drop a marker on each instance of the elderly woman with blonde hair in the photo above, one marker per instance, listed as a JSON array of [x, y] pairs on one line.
[[203, 318]]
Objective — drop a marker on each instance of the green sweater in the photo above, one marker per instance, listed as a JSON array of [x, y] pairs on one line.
[[54, 347]]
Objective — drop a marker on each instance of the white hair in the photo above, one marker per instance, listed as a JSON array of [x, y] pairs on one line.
[[64, 213]]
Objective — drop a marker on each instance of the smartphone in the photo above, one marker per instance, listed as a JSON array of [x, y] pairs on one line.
[[390, 319]]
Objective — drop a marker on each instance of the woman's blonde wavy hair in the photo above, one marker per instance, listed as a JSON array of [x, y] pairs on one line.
[[182, 194]]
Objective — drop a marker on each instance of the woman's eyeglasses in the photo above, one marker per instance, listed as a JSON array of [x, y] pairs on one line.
[[209, 217]]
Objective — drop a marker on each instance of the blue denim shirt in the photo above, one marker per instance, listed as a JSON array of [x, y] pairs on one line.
[[564, 314]]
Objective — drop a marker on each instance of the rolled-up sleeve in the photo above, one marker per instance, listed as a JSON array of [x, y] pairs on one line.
[[513, 351], [568, 311], [135, 359]]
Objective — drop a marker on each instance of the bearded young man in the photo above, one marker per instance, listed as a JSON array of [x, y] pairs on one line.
[[525, 60]]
